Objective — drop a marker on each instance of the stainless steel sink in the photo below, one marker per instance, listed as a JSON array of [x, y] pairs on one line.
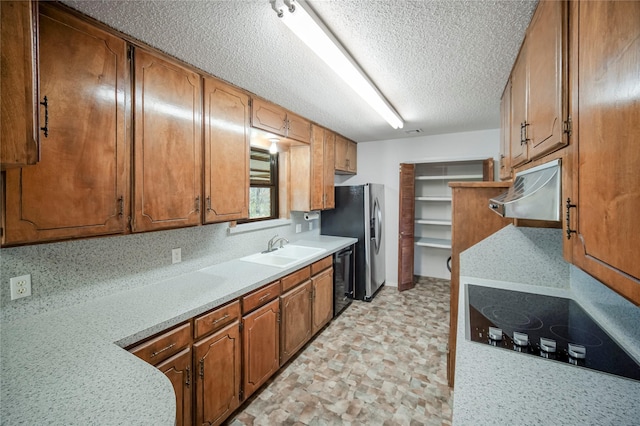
[[284, 257]]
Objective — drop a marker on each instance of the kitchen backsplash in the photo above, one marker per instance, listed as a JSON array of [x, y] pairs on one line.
[[66, 273], [524, 255]]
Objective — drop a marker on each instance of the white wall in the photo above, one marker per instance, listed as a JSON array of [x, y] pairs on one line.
[[378, 162]]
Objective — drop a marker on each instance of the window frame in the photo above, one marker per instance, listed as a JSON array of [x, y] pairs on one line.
[[273, 184]]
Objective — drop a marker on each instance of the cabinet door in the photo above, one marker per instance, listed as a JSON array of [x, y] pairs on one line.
[[546, 39], [406, 227], [341, 154], [261, 346], [218, 363], [295, 329], [329, 170], [269, 117], [519, 87], [79, 187], [352, 157], [608, 112], [322, 290], [178, 370], [226, 147], [317, 168], [19, 116], [298, 128], [505, 133], [167, 145]]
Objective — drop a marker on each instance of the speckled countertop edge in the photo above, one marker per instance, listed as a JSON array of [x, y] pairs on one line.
[[533, 391], [68, 367]]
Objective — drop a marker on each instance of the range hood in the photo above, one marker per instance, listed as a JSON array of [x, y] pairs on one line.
[[535, 194]]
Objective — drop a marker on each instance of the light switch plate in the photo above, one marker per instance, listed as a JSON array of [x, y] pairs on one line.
[[176, 255]]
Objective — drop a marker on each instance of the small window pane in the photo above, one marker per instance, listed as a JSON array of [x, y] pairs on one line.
[[259, 202]]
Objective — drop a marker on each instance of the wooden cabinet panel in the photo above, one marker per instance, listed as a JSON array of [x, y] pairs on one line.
[[163, 346], [322, 292], [505, 133], [295, 278], [167, 145], [329, 170], [269, 117], [406, 226], [321, 265], [317, 176], [80, 186], [216, 319], [226, 146], [547, 98], [261, 346], [295, 328], [346, 152], [19, 126], [259, 297], [298, 128], [218, 363], [519, 88], [472, 222], [606, 106], [178, 370]]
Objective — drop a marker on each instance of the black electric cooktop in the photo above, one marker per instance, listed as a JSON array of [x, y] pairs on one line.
[[550, 327]]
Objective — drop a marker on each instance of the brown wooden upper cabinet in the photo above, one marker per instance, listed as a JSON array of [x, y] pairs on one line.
[[226, 152], [277, 120], [19, 114], [167, 144], [346, 156], [79, 187], [313, 169], [604, 200], [505, 133], [539, 90]]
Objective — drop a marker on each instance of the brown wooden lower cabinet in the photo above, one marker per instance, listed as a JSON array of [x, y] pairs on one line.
[[322, 297], [178, 370], [218, 375], [260, 339], [295, 328]]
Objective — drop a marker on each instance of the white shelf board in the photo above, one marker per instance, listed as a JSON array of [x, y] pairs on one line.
[[434, 242], [422, 221], [449, 177], [432, 198]]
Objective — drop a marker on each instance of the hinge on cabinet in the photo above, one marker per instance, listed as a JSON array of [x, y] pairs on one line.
[[188, 381], [202, 368], [121, 206], [567, 127], [241, 326], [129, 52], [241, 394], [278, 319]]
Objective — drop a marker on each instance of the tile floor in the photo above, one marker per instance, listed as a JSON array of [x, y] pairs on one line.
[[379, 363]]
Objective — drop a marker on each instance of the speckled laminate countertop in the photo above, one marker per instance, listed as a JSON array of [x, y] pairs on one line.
[[68, 367]]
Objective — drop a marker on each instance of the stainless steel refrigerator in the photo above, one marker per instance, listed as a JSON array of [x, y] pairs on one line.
[[359, 214]]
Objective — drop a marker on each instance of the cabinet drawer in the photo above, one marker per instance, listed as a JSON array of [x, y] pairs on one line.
[[296, 278], [216, 319], [260, 297], [163, 346], [321, 265]]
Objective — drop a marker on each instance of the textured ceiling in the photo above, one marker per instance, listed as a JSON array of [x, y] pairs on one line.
[[441, 64]]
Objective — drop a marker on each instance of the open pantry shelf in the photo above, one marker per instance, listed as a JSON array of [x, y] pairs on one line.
[[450, 177], [434, 242], [440, 222]]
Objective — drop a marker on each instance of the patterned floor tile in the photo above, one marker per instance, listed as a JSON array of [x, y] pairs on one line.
[[379, 363]]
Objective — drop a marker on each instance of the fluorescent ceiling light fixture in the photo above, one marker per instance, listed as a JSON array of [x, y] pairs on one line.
[[309, 28]]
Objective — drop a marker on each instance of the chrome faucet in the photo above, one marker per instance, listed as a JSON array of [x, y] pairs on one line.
[[273, 241]]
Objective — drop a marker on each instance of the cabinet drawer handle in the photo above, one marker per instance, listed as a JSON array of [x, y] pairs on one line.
[[264, 297], [570, 231], [209, 204], [162, 350], [45, 129], [198, 204], [221, 319]]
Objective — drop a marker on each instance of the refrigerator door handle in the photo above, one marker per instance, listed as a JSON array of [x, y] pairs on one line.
[[376, 225]]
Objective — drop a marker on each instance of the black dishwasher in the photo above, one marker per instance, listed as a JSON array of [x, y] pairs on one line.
[[343, 279]]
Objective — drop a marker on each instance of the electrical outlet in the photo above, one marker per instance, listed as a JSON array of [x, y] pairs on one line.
[[176, 255], [20, 286], [298, 228]]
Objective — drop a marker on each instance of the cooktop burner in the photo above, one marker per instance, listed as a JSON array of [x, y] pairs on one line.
[[550, 327]]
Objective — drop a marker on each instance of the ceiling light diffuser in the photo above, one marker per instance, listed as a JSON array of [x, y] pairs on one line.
[[305, 24]]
